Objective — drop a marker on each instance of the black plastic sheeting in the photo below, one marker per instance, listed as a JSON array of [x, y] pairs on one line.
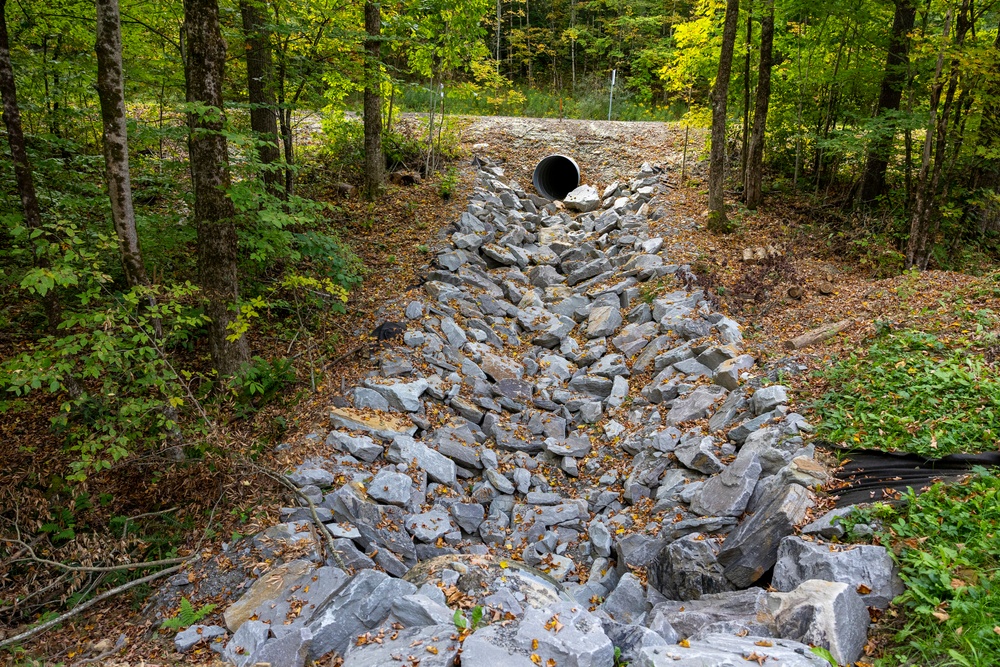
[[877, 476]]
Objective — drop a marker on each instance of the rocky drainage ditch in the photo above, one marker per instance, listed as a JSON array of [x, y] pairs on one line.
[[555, 466]]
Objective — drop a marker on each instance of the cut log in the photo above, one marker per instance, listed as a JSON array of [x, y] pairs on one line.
[[816, 335]]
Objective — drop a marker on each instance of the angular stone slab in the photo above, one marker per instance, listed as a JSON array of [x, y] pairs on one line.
[[752, 549], [862, 567]]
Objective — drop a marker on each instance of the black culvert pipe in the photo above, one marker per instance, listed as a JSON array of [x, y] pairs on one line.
[[556, 176]]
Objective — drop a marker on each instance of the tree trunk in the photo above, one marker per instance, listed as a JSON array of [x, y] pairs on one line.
[[22, 166], [111, 90], [930, 166], [745, 138], [720, 92], [374, 159], [755, 157], [213, 210], [890, 95], [260, 92]]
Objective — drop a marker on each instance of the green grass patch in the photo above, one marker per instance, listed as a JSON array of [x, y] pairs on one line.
[[948, 550], [912, 392]]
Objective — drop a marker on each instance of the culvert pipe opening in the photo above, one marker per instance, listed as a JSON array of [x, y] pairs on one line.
[[556, 176]]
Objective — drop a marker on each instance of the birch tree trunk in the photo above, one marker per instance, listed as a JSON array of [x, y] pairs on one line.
[[111, 91], [214, 212]]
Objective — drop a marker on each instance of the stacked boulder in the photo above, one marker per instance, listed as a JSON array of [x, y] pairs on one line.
[[565, 456]]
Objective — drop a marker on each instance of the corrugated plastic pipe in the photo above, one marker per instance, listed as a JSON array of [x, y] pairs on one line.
[[556, 176]]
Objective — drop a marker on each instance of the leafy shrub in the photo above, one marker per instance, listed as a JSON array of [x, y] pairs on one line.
[[447, 183], [909, 392], [259, 381]]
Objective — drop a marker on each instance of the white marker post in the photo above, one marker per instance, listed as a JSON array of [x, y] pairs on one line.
[[611, 100]]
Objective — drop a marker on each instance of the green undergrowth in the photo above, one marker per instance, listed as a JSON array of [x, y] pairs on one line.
[[914, 392], [947, 544]]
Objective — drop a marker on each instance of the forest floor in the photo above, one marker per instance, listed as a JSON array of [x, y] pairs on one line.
[[397, 236]]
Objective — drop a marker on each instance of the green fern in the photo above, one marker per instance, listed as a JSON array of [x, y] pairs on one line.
[[187, 615]]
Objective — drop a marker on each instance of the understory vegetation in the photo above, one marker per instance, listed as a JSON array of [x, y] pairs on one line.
[[913, 392], [946, 543]]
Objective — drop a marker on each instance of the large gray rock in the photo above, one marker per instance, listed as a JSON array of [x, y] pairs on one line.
[[733, 612], [468, 516], [725, 650], [630, 639], [393, 488], [360, 606], [603, 321], [823, 613], [589, 270], [862, 567], [627, 603], [428, 526], [727, 373], [696, 454], [481, 577], [382, 425], [564, 633], [297, 583], [245, 642], [500, 367], [378, 525], [304, 476], [584, 199], [428, 646], [696, 405], [419, 610], [728, 493], [766, 399], [688, 568], [185, 640], [288, 650], [360, 446], [752, 549], [402, 396], [439, 468]]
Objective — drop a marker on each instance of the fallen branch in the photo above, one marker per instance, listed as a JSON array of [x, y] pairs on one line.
[[28, 634], [816, 335], [320, 526], [32, 557]]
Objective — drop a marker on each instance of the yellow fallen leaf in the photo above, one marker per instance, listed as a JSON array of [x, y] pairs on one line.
[[536, 659], [534, 644], [763, 642], [432, 650], [684, 643]]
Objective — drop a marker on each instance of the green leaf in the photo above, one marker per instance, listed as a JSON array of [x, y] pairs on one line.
[[824, 653]]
